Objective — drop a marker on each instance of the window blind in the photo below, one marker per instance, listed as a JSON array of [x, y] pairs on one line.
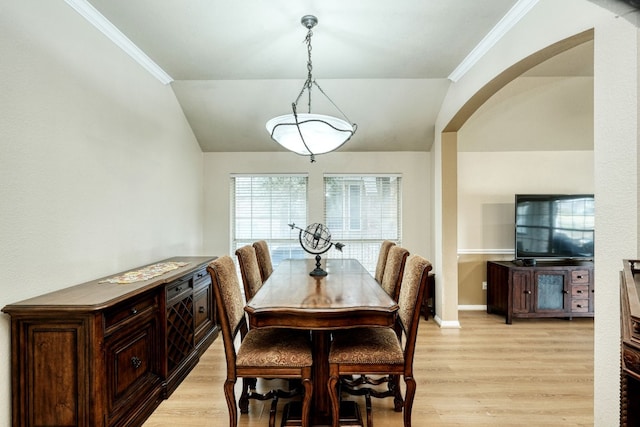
[[263, 206], [362, 211]]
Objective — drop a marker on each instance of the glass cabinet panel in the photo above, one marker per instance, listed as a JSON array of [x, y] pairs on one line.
[[550, 291]]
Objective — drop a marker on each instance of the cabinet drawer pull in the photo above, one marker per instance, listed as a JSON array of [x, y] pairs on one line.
[[564, 291], [136, 362], [134, 310], [579, 276], [527, 292], [179, 288], [201, 309], [579, 291]]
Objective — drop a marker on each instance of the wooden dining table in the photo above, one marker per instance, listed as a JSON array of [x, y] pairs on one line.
[[347, 297]]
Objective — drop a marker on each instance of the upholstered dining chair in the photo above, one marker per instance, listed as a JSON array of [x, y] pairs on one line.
[[382, 259], [392, 277], [262, 352], [249, 270], [391, 282], [264, 259], [379, 351]]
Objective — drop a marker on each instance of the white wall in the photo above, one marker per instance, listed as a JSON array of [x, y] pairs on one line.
[[615, 154], [534, 136], [616, 89], [416, 197], [486, 194], [99, 170]]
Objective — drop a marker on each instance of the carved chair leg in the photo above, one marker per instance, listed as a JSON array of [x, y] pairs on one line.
[[243, 403], [334, 398], [230, 396], [306, 399], [408, 400], [273, 410], [367, 400], [252, 383], [394, 386]]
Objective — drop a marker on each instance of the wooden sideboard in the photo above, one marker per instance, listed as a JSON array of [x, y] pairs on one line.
[[106, 354], [550, 289], [630, 344]]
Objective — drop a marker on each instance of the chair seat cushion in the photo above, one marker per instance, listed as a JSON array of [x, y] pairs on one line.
[[273, 347], [366, 346]]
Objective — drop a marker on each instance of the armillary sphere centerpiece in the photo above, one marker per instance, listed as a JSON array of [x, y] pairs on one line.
[[316, 240]]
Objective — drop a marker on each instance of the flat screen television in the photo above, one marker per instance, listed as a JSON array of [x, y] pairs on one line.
[[554, 226]]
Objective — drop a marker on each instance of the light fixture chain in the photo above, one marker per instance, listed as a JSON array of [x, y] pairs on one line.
[[309, 67]]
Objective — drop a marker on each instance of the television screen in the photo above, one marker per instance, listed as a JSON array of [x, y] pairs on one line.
[[554, 226]]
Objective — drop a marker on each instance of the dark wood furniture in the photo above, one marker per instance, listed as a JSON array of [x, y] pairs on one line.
[[263, 352], [630, 344], [393, 270], [429, 301], [382, 259], [549, 289], [106, 354], [264, 259], [348, 297], [379, 351]]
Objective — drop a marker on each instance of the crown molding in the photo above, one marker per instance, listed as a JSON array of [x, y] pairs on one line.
[[91, 14], [517, 12]]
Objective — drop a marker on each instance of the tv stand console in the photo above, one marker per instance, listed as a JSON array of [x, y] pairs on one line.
[[547, 289]]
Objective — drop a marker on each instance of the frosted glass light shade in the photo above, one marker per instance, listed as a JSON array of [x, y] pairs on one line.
[[322, 134]]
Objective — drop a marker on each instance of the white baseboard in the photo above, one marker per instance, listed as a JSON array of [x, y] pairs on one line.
[[447, 324], [472, 308]]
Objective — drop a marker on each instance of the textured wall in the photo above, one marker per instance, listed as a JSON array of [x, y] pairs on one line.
[[99, 171]]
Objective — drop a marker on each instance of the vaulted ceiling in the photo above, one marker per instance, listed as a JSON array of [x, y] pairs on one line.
[[234, 65]]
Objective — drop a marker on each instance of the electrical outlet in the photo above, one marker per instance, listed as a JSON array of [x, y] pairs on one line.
[[484, 286]]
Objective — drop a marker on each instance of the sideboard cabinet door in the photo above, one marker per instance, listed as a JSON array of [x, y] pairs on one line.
[[48, 380], [132, 362]]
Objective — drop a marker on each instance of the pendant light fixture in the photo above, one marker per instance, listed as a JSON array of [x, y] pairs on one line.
[[309, 134]]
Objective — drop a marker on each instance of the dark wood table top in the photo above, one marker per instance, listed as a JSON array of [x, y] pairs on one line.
[[347, 297]]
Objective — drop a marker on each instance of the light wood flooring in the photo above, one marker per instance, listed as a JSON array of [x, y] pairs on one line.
[[535, 372]]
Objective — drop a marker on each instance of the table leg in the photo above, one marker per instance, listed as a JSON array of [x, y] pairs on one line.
[[320, 409]]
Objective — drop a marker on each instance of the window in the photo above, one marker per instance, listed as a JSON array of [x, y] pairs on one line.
[[263, 206], [361, 212]]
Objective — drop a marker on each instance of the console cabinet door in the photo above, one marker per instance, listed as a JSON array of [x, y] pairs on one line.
[[522, 291], [552, 294]]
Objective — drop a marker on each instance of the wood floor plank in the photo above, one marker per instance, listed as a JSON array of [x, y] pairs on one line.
[[535, 372]]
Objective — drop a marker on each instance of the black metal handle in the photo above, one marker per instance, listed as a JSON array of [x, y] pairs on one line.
[[527, 292], [136, 362], [134, 310], [201, 309]]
